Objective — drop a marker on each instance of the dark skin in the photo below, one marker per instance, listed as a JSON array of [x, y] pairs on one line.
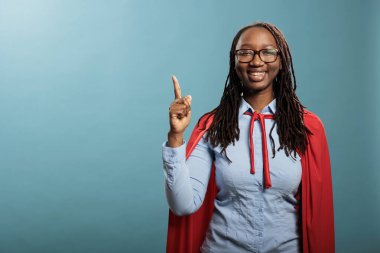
[[179, 116], [256, 76]]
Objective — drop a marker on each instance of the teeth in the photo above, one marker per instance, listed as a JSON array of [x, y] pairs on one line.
[[257, 73]]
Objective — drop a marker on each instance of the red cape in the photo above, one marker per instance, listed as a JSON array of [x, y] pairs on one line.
[[187, 233]]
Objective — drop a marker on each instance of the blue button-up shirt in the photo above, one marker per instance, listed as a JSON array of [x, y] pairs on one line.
[[247, 217]]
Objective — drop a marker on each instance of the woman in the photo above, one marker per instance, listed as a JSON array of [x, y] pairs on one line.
[[257, 167]]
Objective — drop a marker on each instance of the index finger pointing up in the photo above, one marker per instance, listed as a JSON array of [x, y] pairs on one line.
[[177, 88]]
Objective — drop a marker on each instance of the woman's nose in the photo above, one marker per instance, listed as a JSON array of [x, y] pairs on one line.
[[256, 61]]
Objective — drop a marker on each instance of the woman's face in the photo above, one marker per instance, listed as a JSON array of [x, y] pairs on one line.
[[256, 75]]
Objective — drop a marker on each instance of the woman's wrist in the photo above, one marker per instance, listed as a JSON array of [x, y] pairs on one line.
[[175, 139]]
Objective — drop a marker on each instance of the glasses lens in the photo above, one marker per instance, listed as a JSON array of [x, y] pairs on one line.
[[268, 55], [244, 55]]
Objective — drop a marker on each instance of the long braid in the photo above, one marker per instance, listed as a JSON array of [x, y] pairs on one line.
[[291, 130]]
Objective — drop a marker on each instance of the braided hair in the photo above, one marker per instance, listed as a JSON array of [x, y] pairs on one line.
[[291, 130]]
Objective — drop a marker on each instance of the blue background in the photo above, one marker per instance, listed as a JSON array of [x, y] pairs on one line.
[[84, 93]]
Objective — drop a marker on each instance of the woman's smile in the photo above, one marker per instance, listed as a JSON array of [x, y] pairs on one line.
[[256, 76]]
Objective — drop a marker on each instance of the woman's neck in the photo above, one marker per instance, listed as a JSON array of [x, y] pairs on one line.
[[258, 101]]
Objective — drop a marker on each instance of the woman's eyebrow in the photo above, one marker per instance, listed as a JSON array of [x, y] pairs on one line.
[[264, 45]]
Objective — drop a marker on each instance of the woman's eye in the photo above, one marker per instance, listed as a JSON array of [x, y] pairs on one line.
[[245, 53], [269, 52]]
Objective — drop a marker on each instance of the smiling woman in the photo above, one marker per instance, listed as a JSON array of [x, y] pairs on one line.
[[226, 194], [257, 73]]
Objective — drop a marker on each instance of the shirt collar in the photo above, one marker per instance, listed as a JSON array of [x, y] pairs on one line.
[[269, 109]]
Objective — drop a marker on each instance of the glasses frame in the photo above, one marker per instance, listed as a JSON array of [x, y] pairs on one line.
[[258, 52]]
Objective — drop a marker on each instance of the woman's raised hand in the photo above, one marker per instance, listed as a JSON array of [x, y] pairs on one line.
[[179, 116]]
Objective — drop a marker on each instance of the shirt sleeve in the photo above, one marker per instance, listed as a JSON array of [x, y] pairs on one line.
[[186, 180]]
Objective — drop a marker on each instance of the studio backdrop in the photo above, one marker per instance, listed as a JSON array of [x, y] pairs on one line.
[[84, 93]]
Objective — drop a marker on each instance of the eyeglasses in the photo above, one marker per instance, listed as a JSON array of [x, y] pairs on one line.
[[266, 55]]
